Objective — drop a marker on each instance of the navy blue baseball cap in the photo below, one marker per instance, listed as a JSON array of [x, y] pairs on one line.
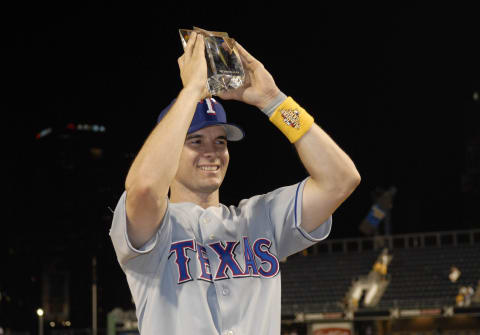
[[209, 112]]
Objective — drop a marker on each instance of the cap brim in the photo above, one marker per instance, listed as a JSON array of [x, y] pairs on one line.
[[234, 132]]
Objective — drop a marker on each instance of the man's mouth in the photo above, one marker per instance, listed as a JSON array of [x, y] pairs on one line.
[[209, 167]]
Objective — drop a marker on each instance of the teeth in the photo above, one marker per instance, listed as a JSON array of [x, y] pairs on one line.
[[209, 168]]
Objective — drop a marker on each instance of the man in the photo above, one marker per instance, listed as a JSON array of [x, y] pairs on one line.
[[192, 264]]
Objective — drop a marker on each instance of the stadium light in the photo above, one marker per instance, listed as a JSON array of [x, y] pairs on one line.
[[40, 314], [96, 128]]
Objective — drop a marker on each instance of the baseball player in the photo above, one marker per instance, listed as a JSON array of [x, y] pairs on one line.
[[193, 265]]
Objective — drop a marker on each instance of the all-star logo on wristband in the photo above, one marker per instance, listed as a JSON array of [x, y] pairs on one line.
[[291, 117]]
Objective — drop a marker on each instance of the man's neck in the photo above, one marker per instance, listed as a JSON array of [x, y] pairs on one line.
[[204, 200]]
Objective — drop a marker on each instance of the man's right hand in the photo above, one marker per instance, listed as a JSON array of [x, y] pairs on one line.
[[150, 175], [193, 66]]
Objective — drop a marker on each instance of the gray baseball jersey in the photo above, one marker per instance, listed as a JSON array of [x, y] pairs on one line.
[[215, 270]]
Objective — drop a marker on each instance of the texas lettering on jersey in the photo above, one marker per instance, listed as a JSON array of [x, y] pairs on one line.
[[225, 252]]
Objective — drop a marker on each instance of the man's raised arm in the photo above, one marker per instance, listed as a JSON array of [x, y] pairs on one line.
[[333, 176], [156, 164]]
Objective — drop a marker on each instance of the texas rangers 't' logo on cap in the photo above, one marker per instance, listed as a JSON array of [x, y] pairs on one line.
[[210, 103]]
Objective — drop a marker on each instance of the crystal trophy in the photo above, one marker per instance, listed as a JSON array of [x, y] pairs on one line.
[[225, 70]]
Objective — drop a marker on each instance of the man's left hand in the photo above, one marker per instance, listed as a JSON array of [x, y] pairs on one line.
[[259, 88]]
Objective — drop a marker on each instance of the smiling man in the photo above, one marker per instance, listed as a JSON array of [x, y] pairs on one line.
[[194, 265]]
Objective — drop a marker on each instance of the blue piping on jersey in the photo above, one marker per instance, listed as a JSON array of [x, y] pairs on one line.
[[295, 211]]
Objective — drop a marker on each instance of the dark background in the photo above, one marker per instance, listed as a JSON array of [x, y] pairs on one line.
[[393, 86]]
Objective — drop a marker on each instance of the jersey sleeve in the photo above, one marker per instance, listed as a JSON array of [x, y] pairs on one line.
[[284, 209], [125, 251]]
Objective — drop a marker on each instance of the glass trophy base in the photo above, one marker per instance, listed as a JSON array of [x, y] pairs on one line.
[[222, 82]]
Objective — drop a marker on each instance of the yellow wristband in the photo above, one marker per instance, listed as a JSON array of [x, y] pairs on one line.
[[292, 120]]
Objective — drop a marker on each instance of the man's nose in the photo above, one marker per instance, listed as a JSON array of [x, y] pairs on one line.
[[209, 149]]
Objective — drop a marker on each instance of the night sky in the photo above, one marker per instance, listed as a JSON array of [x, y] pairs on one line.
[[393, 86]]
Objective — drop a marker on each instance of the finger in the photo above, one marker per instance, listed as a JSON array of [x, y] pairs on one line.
[[226, 47], [181, 61], [199, 46], [190, 44], [245, 55]]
